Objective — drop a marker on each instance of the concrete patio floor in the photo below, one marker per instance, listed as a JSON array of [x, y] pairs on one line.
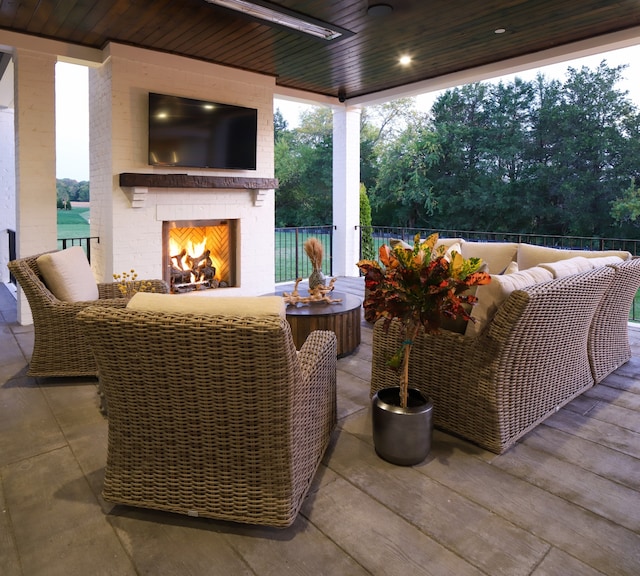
[[564, 501]]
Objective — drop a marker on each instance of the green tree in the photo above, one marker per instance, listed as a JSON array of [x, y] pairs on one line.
[[69, 190], [587, 132], [403, 195], [303, 167], [627, 208], [367, 250], [539, 156]]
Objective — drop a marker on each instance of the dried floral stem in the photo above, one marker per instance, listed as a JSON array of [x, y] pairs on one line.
[[128, 284]]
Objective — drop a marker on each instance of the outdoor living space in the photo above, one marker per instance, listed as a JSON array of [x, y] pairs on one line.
[[564, 500]]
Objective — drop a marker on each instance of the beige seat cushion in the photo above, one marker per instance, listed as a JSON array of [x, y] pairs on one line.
[[223, 306], [497, 255], [564, 268], [605, 261], [68, 275], [491, 296], [529, 255]]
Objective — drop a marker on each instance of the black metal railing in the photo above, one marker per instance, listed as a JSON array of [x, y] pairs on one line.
[[85, 242], [12, 252], [290, 258]]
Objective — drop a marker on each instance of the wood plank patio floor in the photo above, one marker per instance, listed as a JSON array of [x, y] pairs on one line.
[[564, 501]]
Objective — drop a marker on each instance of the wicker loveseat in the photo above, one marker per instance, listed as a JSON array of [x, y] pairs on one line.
[[59, 348], [543, 345], [212, 415]]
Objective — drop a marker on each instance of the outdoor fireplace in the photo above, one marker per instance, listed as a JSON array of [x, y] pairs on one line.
[[199, 254]]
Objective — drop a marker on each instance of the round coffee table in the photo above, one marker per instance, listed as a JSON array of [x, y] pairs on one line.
[[343, 318]]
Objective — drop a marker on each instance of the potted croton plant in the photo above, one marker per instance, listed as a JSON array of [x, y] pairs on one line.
[[417, 286]]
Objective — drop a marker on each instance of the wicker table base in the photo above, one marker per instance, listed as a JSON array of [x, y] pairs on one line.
[[343, 318]]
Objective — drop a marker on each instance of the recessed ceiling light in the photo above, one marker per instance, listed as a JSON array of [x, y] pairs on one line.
[[284, 17], [405, 60], [376, 10], [499, 31]]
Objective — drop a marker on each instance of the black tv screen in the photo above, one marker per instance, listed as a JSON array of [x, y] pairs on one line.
[[199, 134]]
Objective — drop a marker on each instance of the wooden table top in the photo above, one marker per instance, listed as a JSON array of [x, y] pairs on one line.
[[349, 302]]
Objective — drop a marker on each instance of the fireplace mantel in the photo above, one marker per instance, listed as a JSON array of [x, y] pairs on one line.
[[138, 184]]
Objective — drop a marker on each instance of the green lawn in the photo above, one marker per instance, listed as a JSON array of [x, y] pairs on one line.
[[73, 223]]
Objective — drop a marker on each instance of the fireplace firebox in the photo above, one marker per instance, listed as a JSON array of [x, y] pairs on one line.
[[199, 254]]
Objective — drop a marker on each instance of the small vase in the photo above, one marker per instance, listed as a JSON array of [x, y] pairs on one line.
[[402, 435], [317, 278]]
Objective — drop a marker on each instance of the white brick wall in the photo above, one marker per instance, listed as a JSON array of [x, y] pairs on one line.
[[131, 237]]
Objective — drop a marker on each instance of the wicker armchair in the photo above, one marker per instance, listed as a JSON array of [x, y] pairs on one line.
[[59, 348], [213, 416], [609, 332], [529, 361]]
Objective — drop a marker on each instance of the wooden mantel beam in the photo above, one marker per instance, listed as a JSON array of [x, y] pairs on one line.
[[137, 180], [136, 185]]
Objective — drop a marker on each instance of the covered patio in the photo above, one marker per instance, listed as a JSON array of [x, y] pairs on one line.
[[564, 500]]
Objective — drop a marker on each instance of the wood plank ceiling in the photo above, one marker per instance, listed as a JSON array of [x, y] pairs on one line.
[[441, 36]]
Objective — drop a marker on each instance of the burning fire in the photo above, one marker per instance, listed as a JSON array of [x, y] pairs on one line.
[[197, 257], [185, 255], [191, 249]]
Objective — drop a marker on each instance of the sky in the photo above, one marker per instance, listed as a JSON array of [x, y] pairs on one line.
[[72, 104]]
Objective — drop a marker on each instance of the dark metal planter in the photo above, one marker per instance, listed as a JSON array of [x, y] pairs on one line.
[[402, 435]]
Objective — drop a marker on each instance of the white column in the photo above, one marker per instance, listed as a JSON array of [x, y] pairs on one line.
[[7, 187], [35, 158], [346, 191]]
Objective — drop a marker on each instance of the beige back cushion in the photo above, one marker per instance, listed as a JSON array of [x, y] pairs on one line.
[[219, 306], [497, 255], [491, 296], [529, 255], [68, 275]]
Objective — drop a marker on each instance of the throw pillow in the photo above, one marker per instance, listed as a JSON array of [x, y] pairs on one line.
[[222, 306], [447, 242], [455, 247], [511, 268], [393, 242], [68, 275]]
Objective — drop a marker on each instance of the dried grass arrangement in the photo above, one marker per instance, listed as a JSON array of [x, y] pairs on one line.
[[315, 251]]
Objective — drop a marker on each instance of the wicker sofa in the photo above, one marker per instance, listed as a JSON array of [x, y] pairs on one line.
[[212, 413], [541, 346], [59, 347]]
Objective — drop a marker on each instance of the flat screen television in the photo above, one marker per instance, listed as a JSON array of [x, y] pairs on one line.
[[199, 134]]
